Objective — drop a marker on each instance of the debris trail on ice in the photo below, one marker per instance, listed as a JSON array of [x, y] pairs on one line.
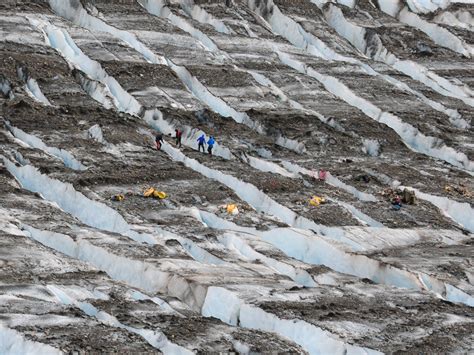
[[259, 200], [331, 180]]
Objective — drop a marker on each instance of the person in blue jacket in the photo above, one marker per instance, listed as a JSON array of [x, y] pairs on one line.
[[210, 144], [201, 141]]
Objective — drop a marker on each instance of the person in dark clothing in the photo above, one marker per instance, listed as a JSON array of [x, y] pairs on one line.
[[159, 141], [396, 203], [178, 136], [210, 144], [201, 141]]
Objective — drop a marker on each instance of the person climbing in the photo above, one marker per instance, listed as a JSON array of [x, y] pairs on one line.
[[159, 140], [178, 136], [210, 144], [201, 141]]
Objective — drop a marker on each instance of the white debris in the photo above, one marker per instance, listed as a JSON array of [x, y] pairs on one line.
[[264, 153], [371, 147], [95, 132], [241, 348]]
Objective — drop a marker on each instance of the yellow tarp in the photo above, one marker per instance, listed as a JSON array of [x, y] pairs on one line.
[[159, 194], [151, 192], [316, 201]]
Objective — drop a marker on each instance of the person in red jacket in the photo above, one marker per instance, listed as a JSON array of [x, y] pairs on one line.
[[178, 136]]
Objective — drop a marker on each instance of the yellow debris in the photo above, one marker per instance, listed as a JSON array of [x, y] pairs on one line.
[[151, 192], [118, 197], [159, 194], [148, 192], [232, 209], [316, 201]]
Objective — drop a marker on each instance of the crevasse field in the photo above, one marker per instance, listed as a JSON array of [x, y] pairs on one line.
[[354, 102]]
